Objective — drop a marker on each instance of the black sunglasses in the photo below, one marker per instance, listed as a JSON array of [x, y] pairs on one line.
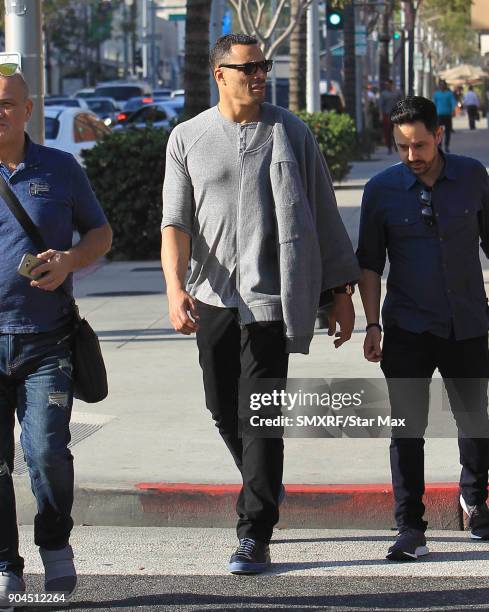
[[251, 67], [427, 213]]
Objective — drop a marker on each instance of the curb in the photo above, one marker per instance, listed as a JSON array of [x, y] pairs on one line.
[[368, 506]]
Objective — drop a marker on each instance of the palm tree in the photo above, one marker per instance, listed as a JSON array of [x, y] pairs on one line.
[[298, 61], [196, 72]]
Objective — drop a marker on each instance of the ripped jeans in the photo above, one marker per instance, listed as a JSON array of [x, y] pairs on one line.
[[36, 381]]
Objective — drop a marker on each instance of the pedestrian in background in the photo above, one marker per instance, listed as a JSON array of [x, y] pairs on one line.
[[445, 103], [388, 98], [36, 320], [428, 215], [472, 104], [248, 199]]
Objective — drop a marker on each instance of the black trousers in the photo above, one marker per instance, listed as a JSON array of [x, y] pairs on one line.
[[446, 121], [472, 112], [229, 352], [464, 366]]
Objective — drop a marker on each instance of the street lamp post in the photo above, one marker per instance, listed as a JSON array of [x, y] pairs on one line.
[[23, 35], [313, 102]]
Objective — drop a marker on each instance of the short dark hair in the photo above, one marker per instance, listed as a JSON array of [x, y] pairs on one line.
[[415, 108], [223, 45]]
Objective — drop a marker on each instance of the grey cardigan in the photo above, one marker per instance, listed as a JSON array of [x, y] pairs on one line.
[[283, 182]]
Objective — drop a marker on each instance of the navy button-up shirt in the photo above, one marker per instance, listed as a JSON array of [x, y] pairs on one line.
[[435, 281], [55, 192]]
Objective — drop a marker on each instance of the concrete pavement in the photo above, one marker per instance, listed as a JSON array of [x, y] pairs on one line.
[[153, 430]]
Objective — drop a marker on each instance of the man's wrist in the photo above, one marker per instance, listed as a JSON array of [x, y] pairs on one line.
[[374, 325], [348, 288], [72, 260]]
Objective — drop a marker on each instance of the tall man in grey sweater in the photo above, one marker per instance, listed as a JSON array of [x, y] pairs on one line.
[[248, 199]]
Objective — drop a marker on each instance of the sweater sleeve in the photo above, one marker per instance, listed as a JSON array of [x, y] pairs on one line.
[[178, 201]]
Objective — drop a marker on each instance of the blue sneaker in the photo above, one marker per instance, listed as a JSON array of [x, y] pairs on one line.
[[251, 557], [409, 545], [478, 519]]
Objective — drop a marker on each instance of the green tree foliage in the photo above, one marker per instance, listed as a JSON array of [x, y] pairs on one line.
[[336, 136], [450, 20]]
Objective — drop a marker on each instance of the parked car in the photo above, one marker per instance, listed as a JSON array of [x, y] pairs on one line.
[[158, 115], [122, 91], [105, 108], [65, 101], [137, 102], [132, 105], [72, 129], [176, 104], [163, 92], [86, 92]]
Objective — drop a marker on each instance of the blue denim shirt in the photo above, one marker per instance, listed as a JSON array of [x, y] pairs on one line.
[[435, 280], [56, 194]]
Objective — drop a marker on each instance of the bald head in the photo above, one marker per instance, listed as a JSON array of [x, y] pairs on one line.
[[17, 84]]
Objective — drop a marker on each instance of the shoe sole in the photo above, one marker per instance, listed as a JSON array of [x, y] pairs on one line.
[[248, 568], [402, 555]]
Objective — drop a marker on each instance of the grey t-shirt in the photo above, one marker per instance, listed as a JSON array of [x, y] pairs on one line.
[[200, 197]]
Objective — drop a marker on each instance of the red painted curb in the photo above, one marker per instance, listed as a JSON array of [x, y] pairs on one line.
[[306, 505]]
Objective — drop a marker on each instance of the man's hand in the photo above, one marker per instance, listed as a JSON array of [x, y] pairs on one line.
[[343, 313], [371, 345], [180, 303], [51, 274]]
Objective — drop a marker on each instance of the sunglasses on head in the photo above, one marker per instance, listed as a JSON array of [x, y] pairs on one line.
[[9, 69], [427, 213], [251, 67]]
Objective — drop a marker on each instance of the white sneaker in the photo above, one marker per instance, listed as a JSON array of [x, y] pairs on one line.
[[10, 584], [59, 572]]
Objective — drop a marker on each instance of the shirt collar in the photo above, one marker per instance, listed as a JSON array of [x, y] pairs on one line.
[[449, 171], [32, 157]]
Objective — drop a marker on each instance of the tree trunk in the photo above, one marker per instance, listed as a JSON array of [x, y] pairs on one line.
[[384, 40], [349, 64], [196, 72], [298, 61], [48, 66]]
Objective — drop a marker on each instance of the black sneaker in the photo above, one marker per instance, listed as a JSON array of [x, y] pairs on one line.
[[410, 544], [251, 557], [478, 520]]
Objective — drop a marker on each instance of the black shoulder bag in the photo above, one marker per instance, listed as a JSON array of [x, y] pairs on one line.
[[89, 373]]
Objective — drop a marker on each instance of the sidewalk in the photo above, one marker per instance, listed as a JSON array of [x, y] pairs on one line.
[[154, 432]]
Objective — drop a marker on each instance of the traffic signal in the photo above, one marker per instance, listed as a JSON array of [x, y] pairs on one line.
[[396, 35], [334, 18]]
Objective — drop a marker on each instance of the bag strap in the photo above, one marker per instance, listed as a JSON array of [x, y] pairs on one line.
[[16, 208], [28, 225]]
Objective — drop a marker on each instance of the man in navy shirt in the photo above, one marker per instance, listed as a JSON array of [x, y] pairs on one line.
[[428, 214], [35, 318]]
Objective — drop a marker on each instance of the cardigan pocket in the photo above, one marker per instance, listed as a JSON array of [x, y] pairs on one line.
[[290, 202]]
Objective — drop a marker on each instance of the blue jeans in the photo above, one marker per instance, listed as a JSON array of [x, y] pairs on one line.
[[36, 381]]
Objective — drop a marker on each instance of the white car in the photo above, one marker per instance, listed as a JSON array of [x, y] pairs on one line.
[[72, 129]]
